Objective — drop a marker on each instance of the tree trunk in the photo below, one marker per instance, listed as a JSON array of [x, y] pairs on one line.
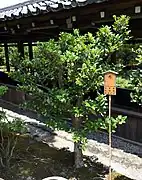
[[78, 155]]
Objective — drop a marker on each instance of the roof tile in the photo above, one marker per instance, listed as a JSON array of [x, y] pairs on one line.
[[35, 6]]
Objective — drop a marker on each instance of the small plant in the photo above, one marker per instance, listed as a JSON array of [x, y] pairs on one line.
[[9, 131]]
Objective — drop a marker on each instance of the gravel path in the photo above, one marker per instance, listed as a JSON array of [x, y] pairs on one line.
[[117, 142], [126, 157]]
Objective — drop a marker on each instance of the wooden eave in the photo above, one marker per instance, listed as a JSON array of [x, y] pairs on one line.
[[87, 19]]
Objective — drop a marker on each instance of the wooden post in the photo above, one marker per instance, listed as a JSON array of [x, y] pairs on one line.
[[30, 50], [21, 49], [7, 57]]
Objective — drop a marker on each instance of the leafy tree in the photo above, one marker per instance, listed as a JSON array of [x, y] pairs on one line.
[[136, 79], [2, 58], [124, 82], [14, 56], [127, 55], [64, 72]]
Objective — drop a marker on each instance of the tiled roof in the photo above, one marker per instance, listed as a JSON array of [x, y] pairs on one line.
[[35, 7]]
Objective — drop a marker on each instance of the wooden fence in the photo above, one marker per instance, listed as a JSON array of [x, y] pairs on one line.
[[132, 130], [13, 95]]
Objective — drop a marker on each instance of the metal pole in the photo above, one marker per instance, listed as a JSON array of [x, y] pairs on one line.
[[110, 137]]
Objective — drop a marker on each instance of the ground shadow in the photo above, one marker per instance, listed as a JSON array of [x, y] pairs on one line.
[[34, 161]]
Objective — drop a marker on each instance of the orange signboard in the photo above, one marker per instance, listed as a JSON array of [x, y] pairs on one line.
[[110, 83]]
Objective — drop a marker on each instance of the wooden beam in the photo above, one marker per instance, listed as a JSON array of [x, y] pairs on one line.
[[15, 45], [42, 28], [7, 57], [21, 49], [30, 50]]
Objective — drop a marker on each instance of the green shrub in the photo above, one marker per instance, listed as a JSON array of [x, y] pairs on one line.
[[10, 129]]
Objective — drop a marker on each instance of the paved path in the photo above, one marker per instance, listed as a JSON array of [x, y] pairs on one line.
[[127, 164]]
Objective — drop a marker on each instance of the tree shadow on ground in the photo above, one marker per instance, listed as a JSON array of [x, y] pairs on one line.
[[35, 161]]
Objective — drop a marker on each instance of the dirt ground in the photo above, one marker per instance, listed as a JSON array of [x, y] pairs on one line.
[[34, 161]]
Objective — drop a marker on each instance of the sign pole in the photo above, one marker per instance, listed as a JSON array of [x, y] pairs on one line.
[[110, 153], [110, 89]]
